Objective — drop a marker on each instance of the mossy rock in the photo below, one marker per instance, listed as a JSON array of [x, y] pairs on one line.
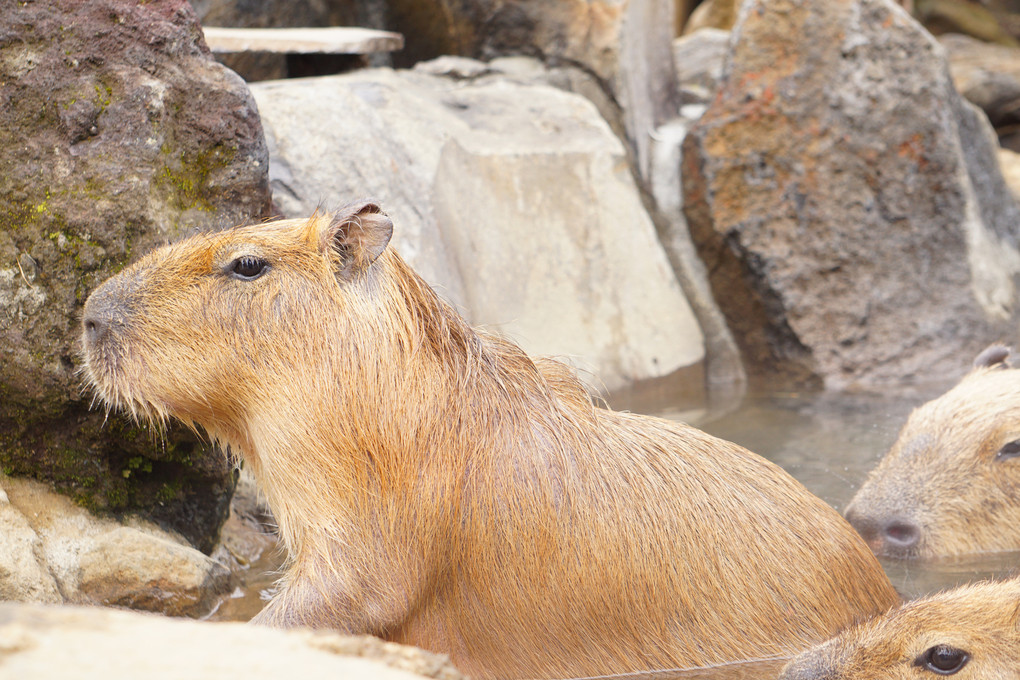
[[118, 132]]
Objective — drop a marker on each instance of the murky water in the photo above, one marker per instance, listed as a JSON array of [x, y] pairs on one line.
[[828, 441]]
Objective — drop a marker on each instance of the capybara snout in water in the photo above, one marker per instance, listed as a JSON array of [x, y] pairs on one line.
[[950, 484], [434, 485], [971, 633]]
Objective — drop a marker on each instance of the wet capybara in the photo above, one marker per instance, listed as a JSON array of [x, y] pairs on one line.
[[950, 484], [971, 633], [435, 486]]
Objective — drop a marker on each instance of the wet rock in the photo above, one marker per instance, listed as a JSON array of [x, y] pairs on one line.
[[58, 552], [847, 201], [118, 131], [988, 76], [89, 643], [514, 200]]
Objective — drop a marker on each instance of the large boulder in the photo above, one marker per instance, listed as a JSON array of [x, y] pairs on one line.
[[514, 199], [847, 201], [90, 643], [118, 131]]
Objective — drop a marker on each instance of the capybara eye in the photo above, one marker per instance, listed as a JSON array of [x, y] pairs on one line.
[[248, 267], [1010, 450], [943, 659]]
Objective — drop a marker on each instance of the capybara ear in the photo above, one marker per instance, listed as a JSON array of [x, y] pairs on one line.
[[357, 235], [993, 356]]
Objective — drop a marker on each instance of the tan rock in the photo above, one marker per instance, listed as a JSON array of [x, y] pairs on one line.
[[23, 574], [90, 643]]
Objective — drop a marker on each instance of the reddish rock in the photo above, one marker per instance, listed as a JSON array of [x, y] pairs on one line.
[[118, 131], [847, 201]]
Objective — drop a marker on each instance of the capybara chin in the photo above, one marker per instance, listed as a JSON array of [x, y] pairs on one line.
[[950, 484], [971, 633], [435, 486]]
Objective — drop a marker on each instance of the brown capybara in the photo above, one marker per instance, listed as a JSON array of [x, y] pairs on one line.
[[950, 484], [971, 633], [435, 486]]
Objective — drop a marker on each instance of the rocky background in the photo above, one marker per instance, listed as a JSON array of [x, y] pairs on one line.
[[707, 197]]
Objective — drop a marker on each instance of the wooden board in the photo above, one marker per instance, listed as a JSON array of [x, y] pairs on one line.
[[332, 40]]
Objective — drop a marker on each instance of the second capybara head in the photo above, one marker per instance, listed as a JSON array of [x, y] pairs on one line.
[[950, 484]]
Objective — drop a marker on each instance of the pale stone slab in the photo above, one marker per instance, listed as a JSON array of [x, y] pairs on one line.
[[332, 40]]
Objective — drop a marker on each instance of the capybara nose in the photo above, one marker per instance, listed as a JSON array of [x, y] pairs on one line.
[[901, 535], [895, 536], [106, 309]]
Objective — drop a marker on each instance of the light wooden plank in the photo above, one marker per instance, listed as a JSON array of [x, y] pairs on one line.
[[331, 40]]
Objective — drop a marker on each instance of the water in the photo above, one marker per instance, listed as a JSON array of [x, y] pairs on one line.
[[829, 441]]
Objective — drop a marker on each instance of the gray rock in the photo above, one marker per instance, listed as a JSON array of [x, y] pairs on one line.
[[118, 131], [847, 201], [88, 643], [514, 200]]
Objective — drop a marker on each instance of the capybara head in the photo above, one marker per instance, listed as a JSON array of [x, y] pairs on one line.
[[971, 633], [950, 484]]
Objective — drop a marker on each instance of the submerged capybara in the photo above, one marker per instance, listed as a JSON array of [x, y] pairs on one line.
[[972, 633], [435, 486], [950, 484]]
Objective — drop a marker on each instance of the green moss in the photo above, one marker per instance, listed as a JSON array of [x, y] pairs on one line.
[[186, 176]]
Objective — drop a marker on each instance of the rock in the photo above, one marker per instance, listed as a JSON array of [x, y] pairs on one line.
[[61, 553], [118, 131], [988, 76], [625, 44], [514, 200], [253, 66], [699, 59], [128, 568], [712, 15], [961, 16], [833, 188], [87, 643], [1009, 164], [23, 576]]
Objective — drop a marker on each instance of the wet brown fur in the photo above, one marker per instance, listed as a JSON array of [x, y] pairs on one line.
[[982, 620], [942, 473], [434, 485]]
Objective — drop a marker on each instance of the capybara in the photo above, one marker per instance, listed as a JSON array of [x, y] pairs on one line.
[[434, 485], [972, 633], [950, 484]]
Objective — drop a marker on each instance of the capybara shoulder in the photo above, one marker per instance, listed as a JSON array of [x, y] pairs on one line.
[[434, 485], [971, 633], [950, 484]]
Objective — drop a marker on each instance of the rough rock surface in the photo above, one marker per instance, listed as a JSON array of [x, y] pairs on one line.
[[625, 44], [988, 76], [847, 201], [54, 551], [514, 200], [118, 131], [88, 643]]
